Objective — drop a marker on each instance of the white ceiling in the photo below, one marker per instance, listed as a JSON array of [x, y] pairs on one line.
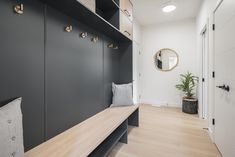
[[149, 12]]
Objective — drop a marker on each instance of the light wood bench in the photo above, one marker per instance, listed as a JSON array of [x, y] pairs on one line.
[[95, 136]]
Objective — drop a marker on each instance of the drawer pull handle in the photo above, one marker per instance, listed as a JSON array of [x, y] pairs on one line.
[[127, 13], [128, 33]]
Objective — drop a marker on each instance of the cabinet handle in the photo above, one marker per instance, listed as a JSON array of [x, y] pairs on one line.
[[127, 13], [128, 33]]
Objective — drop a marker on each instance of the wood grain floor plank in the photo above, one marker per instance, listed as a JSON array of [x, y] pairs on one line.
[[167, 132]]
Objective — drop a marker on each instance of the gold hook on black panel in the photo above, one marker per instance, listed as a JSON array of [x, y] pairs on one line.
[[95, 39], [19, 8], [110, 45], [68, 28], [115, 47], [83, 34]]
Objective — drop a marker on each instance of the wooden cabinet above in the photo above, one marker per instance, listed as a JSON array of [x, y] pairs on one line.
[[126, 17], [126, 26], [127, 7]]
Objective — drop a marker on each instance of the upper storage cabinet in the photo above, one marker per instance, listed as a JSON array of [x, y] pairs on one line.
[[126, 17], [109, 10], [126, 26], [110, 17], [127, 8]]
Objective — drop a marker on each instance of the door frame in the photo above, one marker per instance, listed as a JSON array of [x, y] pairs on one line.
[[204, 57], [212, 88], [136, 71]]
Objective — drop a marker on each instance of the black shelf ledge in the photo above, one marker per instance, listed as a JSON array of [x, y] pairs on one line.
[[116, 2], [75, 9]]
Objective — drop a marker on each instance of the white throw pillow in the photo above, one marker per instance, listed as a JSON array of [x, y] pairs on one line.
[[11, 130], [122, 95]]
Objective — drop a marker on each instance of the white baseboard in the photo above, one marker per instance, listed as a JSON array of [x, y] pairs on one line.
[[160, 103], [211, 134], [156, 105]]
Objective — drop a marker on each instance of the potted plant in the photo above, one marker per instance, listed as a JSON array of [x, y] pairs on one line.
[[187, 86]]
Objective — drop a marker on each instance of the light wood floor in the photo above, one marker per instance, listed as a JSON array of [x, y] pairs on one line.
[[167, 132]]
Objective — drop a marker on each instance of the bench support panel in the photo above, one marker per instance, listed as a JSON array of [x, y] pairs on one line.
[[124, 138], [133, 119], [119, 135]]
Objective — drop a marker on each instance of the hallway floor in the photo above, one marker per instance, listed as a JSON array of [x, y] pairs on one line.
[[167, 132]]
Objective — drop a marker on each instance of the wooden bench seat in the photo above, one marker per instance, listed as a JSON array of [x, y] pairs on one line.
[[92, 137]]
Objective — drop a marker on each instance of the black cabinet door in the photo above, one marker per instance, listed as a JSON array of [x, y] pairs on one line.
[[74, 73], [22, 64]]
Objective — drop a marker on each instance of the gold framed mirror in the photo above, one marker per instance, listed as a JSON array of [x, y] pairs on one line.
[[166, 59]]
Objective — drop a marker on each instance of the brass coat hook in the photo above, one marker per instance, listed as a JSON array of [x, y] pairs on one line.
[[83, 34], [95, 39], [19, 8], [116, 48], [110, 45], [68, 28]]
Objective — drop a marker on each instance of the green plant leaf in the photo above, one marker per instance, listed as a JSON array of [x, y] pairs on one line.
[[187, 84]]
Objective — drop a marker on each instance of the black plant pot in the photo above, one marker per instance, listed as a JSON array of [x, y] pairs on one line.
[[190, 106]]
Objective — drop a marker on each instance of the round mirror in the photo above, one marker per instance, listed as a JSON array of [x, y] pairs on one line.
[[166, 59]]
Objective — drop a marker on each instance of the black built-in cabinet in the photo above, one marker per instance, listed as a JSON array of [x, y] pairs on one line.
[[22, 65], [62, 78], [109, 10]]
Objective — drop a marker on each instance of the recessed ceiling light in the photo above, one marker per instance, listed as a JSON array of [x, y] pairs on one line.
[[168, 8]]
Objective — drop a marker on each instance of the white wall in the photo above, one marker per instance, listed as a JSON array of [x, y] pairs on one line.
[[137, 32], [137, 40], [205, 15], [157, 87]]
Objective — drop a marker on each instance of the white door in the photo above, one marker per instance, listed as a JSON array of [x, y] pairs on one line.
[[224, 41]]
